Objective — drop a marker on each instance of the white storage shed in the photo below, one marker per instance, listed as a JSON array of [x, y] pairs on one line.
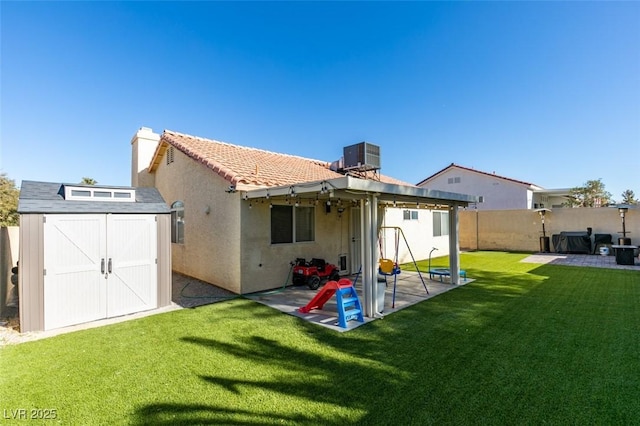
[[91, 252]]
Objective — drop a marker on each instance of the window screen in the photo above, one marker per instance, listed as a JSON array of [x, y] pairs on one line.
[[305, 224], [281, 224], [177, 222], [440, 224], [289, 224]]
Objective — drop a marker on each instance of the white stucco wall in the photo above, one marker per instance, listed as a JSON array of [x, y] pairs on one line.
[[418, 233], [143, 146], [498, 193], [265, 265], [211, 249]]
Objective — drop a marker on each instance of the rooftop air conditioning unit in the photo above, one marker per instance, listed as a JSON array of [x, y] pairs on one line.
[[362, 156]]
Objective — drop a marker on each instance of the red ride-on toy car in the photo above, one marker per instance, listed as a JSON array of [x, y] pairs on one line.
[[314, 273]]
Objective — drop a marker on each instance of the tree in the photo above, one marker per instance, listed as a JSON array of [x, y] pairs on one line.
[[88, 181], [8, 201], [591, 194], [628, 197]]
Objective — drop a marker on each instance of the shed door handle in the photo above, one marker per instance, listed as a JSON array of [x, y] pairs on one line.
[[102, 266], [110, 265]]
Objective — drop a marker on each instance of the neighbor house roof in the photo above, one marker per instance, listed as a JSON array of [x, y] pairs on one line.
[[49, 197], [457, 166], [249, 166]]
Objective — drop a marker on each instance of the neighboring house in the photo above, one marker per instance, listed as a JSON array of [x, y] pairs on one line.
[[495, 192], [240, 215]]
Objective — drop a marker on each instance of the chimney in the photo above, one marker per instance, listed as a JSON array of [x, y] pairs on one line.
[[143, 146]]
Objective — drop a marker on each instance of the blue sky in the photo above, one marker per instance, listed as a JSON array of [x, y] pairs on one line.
[[544, 92]]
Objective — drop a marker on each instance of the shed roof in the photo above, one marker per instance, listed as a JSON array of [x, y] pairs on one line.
[[250, 166], [48, 197]]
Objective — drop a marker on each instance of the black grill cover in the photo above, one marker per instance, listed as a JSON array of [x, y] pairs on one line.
[[572, 242]]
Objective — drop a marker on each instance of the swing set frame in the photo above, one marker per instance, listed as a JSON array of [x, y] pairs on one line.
[[384, 263]]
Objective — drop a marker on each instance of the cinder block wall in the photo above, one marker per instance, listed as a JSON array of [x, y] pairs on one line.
[[520, 230]]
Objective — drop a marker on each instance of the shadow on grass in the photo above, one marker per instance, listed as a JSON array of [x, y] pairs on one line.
[[511, 347], [329, 384], [200, 414]]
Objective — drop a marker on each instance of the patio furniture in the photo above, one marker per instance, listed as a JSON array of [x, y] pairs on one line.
[[572, 242], [445, 272], [624, 254], [601, 240]]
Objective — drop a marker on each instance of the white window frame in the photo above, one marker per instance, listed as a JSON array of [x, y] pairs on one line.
[[440, 223], [177, 222], [409, 214], [85, 193]]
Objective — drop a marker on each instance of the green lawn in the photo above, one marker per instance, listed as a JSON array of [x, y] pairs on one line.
[[523, 344]]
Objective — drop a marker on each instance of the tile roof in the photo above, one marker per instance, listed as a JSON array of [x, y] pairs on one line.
[[252, 166]]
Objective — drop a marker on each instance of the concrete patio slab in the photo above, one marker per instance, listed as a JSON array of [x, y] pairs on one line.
[[592, 260], [409, 290]]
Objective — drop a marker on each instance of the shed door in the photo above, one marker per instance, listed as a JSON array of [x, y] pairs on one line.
[[132, 251], [98, 266], [75, 291]]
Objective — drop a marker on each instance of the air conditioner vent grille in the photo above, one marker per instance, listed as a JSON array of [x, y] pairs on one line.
[[362, 156]]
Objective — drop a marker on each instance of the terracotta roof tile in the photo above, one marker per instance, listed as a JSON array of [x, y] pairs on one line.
[[252, 166]]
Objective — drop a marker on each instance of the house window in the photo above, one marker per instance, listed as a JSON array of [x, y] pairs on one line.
[[304, 218], [454, 179], [80, 193], [292, 224], [410, 214], [440, 224], [85, 193], [177, 222]]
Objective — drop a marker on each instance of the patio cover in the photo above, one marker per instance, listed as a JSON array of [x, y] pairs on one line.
[[370, 194]]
